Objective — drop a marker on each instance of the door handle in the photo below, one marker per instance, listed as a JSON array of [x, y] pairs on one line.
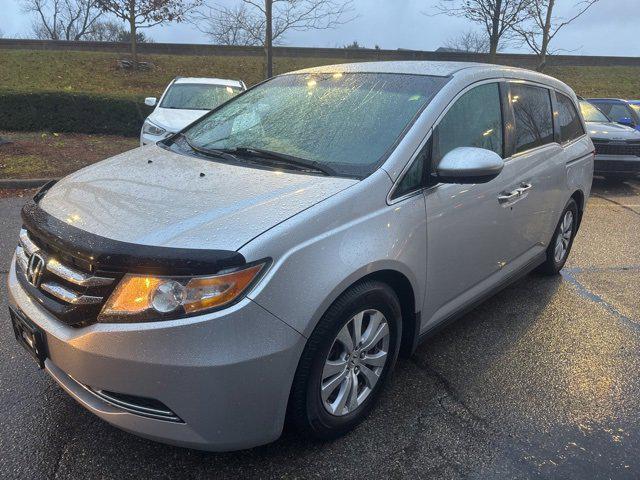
[[507, 197], [525, 187]]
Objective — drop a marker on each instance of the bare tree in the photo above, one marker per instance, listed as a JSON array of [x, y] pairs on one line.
[[355, 45], [62, 19], [542, 26], [146, 13], [237, 25], [497, 17], [265, 22], [110, 31], [107, 31], [469, 41]]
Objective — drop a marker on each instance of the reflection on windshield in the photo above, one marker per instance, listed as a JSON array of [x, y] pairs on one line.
[[191, 96], [345, 121], [592, 114]]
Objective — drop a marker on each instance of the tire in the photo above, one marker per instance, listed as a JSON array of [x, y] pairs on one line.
[[553, 263], [309, 410]]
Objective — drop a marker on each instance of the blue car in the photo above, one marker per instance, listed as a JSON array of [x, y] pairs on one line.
[[625, 112]]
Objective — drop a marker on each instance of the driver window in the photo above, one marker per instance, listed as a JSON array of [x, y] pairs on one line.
[[475, 120]]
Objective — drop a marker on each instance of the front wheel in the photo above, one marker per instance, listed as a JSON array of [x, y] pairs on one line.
[[347, 361], [562, 241]]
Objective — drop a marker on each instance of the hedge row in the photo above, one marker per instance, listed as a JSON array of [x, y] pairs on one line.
[[72, 112]]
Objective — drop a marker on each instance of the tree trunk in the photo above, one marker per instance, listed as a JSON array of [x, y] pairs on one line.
[[268, 37], [546, 35], [494, 37], [134, 44], [132, 30]]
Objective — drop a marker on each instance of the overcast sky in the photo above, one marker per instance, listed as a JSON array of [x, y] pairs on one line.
[[611, 27]]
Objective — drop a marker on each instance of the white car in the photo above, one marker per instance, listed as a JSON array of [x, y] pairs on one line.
[[184, 101]]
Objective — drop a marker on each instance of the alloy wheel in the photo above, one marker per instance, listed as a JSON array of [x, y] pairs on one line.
[[563, 238], [355, 362]]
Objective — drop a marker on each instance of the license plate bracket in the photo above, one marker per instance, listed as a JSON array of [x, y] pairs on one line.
[[29, 336]]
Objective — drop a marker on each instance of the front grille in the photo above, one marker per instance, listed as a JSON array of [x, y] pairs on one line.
[[64, 285], [617, 148]]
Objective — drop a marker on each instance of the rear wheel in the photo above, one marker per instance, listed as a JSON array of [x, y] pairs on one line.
[[562, 241], [347, 361]]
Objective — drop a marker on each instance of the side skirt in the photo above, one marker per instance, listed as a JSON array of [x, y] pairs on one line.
[[524, 271]]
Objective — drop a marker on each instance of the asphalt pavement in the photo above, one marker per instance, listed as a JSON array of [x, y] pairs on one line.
[[541, 381]]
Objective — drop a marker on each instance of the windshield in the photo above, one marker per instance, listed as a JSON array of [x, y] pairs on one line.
[[197, 96], [636, 107], [347, 122], [592, 114]]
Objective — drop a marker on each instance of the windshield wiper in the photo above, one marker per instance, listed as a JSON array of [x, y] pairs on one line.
[[283, 158], [210, 152], [260, 153]]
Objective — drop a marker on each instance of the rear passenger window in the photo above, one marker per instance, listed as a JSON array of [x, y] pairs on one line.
[[534, 121], [568, 119], [475, 120]]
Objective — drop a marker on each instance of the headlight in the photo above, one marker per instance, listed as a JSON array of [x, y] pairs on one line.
[[143, 298], [151, 129]]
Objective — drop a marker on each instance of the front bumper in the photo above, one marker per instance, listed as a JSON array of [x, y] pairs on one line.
[[226, 375], [616, 164]]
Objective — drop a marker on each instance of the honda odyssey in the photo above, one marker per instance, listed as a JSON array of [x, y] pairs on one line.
[[274, 259]]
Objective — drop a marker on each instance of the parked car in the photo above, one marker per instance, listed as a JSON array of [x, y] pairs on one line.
[[621, 111], [277, 256], [617, 146], [183, 102]]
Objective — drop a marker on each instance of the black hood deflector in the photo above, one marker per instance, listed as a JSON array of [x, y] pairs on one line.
[[108, 254]]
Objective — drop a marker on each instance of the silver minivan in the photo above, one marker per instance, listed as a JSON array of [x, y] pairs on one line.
[[273, 259]]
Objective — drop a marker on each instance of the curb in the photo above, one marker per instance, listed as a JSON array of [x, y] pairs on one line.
[[20, 183]]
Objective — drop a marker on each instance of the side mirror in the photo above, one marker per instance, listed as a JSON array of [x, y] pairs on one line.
[[150, 101], [627, 121], [469, 165]]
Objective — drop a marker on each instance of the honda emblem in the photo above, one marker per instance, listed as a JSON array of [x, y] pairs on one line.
[[35, 269]]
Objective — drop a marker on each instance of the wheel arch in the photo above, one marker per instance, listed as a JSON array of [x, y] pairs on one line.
[[410, 314], [403, 287], [579, 198]]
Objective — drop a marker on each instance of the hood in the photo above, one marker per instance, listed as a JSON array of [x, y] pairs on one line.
[[174, 119], [169, 202], [612, 131]]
